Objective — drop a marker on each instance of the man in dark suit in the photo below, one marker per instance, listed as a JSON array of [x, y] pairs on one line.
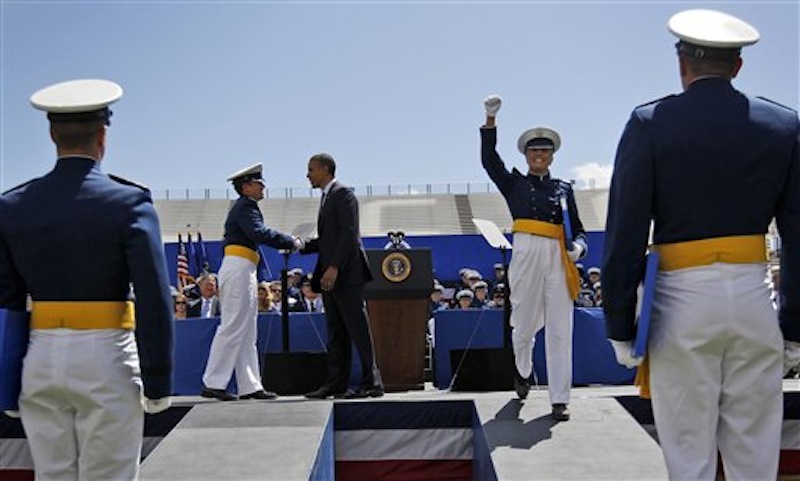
[[710, 167], [340, 274], [208, 304]]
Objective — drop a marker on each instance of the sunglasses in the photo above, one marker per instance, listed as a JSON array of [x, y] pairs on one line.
[[180, 303]]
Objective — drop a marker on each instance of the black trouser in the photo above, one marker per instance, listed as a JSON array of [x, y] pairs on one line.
[[347, 322]]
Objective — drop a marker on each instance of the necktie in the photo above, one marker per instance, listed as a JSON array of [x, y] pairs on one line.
[[311, 306], [206, 311], [322, 200]]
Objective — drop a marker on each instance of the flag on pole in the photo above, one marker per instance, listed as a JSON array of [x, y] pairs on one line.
[[184, 277], [202, 257], [194, 268]]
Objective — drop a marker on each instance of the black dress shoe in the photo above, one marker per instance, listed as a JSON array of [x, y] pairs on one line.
[[220, 394], [322, 393], [261, 395], [560, 412], [522, 386], [364, 392]]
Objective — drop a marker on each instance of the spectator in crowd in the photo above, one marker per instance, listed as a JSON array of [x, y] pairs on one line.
[[499, 275], [308, 301], [233, 349], [473, 276], [594, 276], [276, 290], [463, 278], [265, 299], [710, 168], [208, 304], [295, 276], [436, 299], [498, 297], [464, 299], [548, 239], [598, 294], [180, 307], [585, 296], [481, 291]]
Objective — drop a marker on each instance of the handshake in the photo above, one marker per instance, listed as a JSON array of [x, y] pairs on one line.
[[299, 244]]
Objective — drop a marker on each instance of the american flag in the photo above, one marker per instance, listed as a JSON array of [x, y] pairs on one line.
[[184, 277]]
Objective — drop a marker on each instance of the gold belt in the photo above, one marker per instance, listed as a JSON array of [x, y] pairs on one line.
[[83, 315], [242, 251], [553, 231], [738, 249]]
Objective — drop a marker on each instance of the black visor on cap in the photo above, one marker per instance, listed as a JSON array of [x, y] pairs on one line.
[[103, 114], [706, 53], [540, 143]]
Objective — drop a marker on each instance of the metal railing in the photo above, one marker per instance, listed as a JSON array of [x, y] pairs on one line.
[[397, 190]]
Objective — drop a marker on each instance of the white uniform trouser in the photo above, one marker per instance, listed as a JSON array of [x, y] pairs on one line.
[[539, 297], [234, 344], [715, 372], [81, 404]]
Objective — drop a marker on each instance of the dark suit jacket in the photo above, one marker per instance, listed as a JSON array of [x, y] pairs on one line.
[[339, 241], [194, 309]]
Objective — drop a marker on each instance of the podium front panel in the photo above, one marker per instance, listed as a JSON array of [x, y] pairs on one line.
[[400, 274]]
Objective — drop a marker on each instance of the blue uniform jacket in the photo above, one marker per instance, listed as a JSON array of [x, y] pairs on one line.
[[710, 162], [244, 226], [77, 234], [529, 196]]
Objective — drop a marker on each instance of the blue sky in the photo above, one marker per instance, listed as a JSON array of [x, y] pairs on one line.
[[392, 89]]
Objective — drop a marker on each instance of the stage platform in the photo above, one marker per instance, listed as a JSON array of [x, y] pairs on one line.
[[293, 438], [425, 434]]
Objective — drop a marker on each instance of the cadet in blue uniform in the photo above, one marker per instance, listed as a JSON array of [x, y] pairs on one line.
[[542, 274], [710, 168], [81, 402], [234, 344]]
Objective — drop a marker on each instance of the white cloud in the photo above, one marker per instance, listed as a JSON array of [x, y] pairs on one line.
[[592, 175]]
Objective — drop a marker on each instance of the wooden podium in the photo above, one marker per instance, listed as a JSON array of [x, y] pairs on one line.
[[398, 301]]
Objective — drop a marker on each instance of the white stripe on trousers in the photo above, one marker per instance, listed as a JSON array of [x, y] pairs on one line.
[[539, 297], [715, 372], [81, 404], [234, 344]]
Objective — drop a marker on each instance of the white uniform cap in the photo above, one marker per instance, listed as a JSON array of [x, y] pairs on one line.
[[593, 270], [479, 285], [465, 293], [89, 97], [710, 28], [249, 173], [538, 133]]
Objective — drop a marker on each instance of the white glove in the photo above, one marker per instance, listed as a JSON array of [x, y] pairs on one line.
[[155, 406], [578, 247], [623, 350], [791, 356], [492, 104], [298, 243], [11, 414]]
